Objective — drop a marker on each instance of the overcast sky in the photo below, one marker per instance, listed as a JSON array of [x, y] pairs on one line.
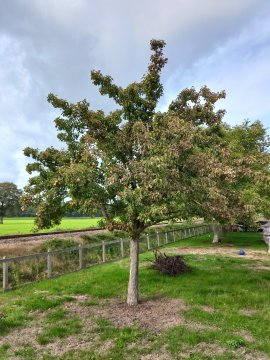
[[51, 46]]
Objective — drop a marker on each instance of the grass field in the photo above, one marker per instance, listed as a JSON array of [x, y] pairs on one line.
[[14, 226], [220, 310]]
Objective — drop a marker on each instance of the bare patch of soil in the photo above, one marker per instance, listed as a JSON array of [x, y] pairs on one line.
[[261, 268], [21, 336], [208, 309], [106, 346], [221, 251], [246, 335], [248, 312], [85, 340], [247, 355], [81, 298], [214, 349], [154, 315], [162, 354], [208, 349], [192, 325]]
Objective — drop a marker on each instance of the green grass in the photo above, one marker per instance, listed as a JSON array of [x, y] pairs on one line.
[[14, 226], [245, 240], [42, 302], [3, 350], [13, 317], [60, 330], [26, 352], [24, 225], [238, 296]]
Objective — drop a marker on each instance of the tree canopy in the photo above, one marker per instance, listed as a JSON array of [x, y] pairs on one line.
[[9, 198], [137, 165]]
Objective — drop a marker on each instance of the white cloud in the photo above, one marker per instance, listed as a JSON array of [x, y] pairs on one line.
[[20, 125], [48, 45], [241, 67]]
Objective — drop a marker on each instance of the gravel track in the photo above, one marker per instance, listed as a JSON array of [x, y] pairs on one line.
[[36, 240]]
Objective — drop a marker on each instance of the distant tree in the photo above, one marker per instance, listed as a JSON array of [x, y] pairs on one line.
[[241, 191], [251, 143], [9, 198], [136, 165]]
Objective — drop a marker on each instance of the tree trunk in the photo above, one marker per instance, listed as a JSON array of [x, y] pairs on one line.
[[224, 231], [216, 233], [1, 219], [133, 284]]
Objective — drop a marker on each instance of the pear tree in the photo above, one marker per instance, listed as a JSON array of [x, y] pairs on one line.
[[136, 165]]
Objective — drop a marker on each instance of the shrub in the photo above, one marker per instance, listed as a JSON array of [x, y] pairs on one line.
[[172, 265], [108, 236], [57, 244]]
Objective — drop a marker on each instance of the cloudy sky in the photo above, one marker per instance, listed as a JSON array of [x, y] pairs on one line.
[[51, 46]]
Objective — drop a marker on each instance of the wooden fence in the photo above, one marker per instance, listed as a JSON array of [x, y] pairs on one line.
[[31, 268]]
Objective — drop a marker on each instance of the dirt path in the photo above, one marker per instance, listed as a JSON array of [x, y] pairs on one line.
[[221, 251], [27, 245]]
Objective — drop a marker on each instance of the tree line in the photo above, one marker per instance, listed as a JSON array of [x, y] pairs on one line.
[[10, 204]]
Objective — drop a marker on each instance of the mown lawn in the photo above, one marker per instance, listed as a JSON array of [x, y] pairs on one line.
[[220, 310], [14, 226], [251, 240]]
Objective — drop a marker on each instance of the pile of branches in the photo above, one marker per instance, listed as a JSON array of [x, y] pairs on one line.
[[172, 265]]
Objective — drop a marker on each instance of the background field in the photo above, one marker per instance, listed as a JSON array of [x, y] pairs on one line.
[[14, 226]]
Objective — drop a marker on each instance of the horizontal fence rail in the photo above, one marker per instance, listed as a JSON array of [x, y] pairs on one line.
[[31, 268]]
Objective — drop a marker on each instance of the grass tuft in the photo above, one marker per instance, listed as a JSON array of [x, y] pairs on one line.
[[60, 330]]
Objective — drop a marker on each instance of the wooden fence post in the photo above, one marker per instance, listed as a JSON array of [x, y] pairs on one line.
[[103, 251], [148, 242], [174, 236], [5, 274], [80, 257], [49, 263], [122, 248], [166, 238], [158, 239]]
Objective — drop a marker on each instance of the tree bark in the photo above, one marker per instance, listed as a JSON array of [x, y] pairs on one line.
[[1, 219], [216, 233], [133, 284], [224, 231]]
